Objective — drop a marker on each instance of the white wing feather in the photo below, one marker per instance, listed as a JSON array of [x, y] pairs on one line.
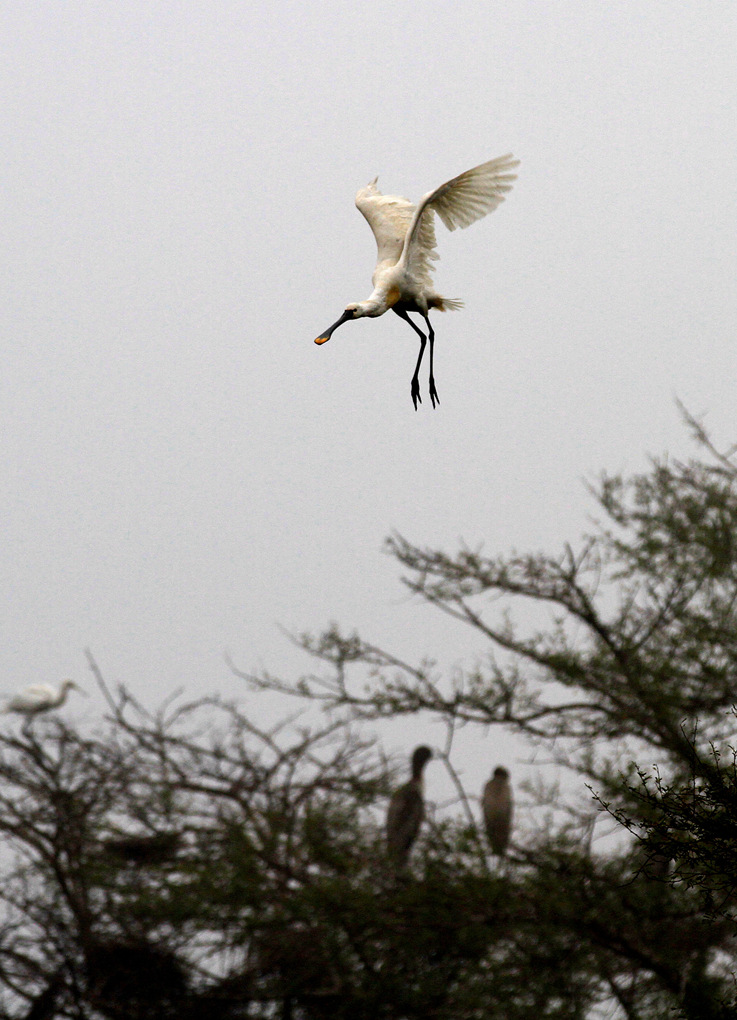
[[459, 203], [390, 217]]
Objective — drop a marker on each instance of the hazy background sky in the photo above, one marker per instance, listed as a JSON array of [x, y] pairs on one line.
[[182, 468]]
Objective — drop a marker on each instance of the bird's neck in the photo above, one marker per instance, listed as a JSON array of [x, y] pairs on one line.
[[373, 306]]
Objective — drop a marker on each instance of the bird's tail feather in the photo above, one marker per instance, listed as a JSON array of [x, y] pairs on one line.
[[444, 304]]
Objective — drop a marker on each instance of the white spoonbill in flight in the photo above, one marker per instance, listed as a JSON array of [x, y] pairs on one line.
[[405, 238], [40, 698]]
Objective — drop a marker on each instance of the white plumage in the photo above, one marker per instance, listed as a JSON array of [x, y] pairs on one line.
[[406, 243], [39, 698]]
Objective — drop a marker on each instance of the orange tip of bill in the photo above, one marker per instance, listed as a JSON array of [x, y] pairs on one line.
[[322, 339]]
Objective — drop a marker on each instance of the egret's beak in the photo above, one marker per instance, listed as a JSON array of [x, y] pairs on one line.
[[347, 314]]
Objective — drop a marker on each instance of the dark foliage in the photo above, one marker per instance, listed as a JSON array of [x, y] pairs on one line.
[[188, 864]]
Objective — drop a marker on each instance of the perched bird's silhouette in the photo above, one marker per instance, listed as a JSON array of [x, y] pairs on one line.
[[149, 849], [497, 807], [135, 978], [407, 809], [405, 239], [40, 698]]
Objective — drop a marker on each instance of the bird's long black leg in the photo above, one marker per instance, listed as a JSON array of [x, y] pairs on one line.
[[415, 387], [431, 336]]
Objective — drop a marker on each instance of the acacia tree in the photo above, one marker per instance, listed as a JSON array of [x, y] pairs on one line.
[[188, 864], [631, 685], [150, 870]]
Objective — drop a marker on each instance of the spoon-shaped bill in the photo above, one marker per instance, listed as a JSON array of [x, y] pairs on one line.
[[347, 314]]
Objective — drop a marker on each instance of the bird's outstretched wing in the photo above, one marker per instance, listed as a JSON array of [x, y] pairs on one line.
[[390, 217], [459, 203]]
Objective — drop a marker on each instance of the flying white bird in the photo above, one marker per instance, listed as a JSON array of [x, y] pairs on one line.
[[40, 698], [405, 239], [497, 807], [407, 809]]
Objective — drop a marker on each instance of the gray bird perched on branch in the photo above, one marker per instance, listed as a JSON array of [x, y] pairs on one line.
[[497, 807], [406, 810]]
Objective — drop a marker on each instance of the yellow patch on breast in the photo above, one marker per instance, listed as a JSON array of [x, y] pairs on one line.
[[392, 297]]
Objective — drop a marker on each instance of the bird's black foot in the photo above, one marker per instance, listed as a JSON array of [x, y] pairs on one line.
[[416, 398], [433, 393]]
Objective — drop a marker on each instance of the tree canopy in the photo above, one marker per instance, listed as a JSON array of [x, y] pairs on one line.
[[186, 863]]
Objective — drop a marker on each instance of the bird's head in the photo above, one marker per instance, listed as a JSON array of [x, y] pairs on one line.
[[420, 757], [351, 312], [70, 685], [501, 773]]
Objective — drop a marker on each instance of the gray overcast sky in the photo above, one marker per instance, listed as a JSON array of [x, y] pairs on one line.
[[182, 467]]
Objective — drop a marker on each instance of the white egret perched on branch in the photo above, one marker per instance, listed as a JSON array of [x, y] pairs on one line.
[[40, 698], [405, 239], [407, 809], [497, 807]]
